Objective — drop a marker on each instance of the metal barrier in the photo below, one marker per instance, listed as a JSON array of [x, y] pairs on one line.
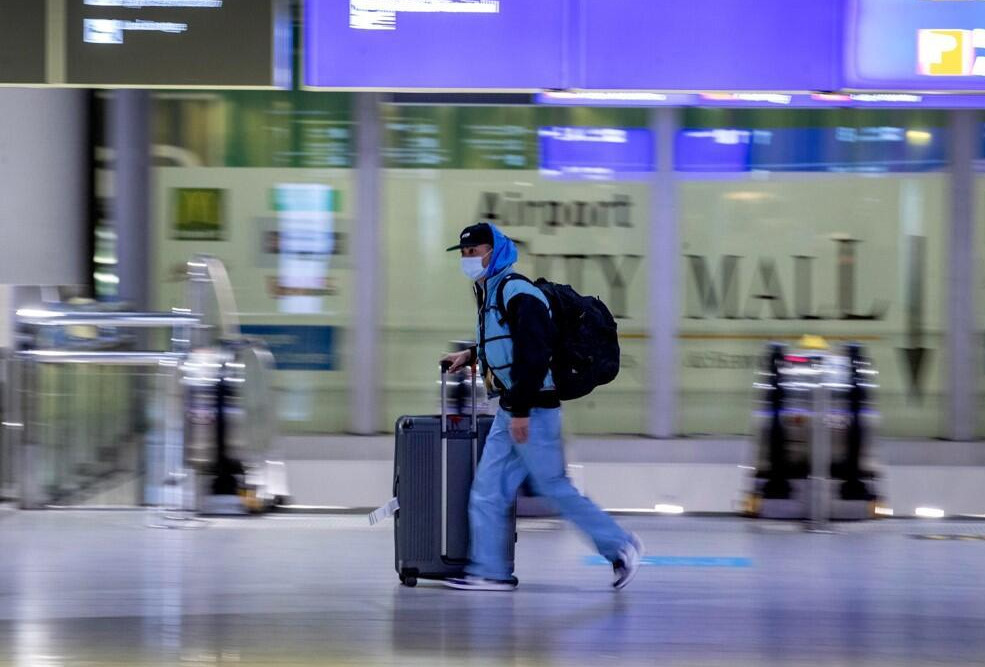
[[9, 423], [83, 419], [814, 428], [78, 419], [820, 476]]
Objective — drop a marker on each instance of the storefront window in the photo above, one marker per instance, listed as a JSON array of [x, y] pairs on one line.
[[979, 200], [264, 181], [569, 185], [830, 223]]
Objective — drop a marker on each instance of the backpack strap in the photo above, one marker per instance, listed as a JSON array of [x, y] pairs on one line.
[[500, 299]]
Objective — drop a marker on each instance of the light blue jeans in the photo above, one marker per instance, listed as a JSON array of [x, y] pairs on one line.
[[502, 469]]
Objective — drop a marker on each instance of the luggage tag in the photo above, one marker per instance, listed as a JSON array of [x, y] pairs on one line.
[[384, 512]]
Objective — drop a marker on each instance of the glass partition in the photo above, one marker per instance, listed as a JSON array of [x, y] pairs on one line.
[[264, 181], [818, 222], [569, 185]]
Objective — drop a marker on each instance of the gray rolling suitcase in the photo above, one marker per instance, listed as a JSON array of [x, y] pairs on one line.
[[432, 477]]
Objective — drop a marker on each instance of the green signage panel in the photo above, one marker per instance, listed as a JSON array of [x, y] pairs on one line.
[[199, 214]]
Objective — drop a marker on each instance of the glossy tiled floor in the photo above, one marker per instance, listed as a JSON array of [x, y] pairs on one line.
[[101, 588]]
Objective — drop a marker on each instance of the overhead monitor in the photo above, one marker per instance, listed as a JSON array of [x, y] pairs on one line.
[[22, 47], [171, 43], [872, 149], [915, 45], [712, 150], [595, 152], [435, 44], [693, 45]]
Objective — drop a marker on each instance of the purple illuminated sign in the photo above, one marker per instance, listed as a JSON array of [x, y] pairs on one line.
[[859, 100], [572, 44], [915, 45], [658, 47], [710, 45], [595, 152], [435, 44]]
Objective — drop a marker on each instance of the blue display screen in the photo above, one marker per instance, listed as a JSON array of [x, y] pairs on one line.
[[572, 44], [838, 149], [915, 45], [746, 45], [595, 152], [436, 44]]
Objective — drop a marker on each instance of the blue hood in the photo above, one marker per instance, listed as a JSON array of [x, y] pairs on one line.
[[504, 253]]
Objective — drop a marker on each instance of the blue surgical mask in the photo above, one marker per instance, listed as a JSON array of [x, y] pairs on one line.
[[472, 267]]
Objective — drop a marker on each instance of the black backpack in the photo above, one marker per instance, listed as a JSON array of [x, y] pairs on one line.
[[586, 351]]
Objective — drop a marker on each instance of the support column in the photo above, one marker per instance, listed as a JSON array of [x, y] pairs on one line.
[[368, 268], [129, 131], [961, 369], [43, 193], [43, 226], [664, 250]]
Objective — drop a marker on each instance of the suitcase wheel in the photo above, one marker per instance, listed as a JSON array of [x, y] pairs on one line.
[[409, 582]]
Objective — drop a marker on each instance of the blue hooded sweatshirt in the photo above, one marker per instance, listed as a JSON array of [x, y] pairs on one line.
[[515, 346], [504, 254]]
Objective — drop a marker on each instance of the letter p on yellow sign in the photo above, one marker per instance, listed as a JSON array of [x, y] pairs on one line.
[[945, 52]]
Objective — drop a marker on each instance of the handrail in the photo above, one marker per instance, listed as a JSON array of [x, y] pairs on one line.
[[102, 358], [209, 319], [209, 269], [54, 318]]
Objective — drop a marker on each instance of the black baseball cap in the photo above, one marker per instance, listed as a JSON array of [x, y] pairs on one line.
[[474, 235]]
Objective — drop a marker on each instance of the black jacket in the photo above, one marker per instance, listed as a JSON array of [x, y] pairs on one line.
[[533, 333]]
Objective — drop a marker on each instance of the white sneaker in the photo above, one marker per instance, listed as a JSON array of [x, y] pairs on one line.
[[627, 564], [470, 583]]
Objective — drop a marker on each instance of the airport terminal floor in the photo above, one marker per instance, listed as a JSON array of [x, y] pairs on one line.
[[102, 587]]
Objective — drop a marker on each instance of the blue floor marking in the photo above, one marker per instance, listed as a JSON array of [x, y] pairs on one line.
[[682, 561]]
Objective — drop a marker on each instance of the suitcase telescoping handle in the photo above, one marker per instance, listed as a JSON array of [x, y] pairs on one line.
[[474, 435], [474, 441]]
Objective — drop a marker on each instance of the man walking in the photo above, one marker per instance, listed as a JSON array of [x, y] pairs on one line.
[[514, 352]]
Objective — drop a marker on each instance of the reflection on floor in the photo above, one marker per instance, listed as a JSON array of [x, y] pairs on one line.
[[102, 588]]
